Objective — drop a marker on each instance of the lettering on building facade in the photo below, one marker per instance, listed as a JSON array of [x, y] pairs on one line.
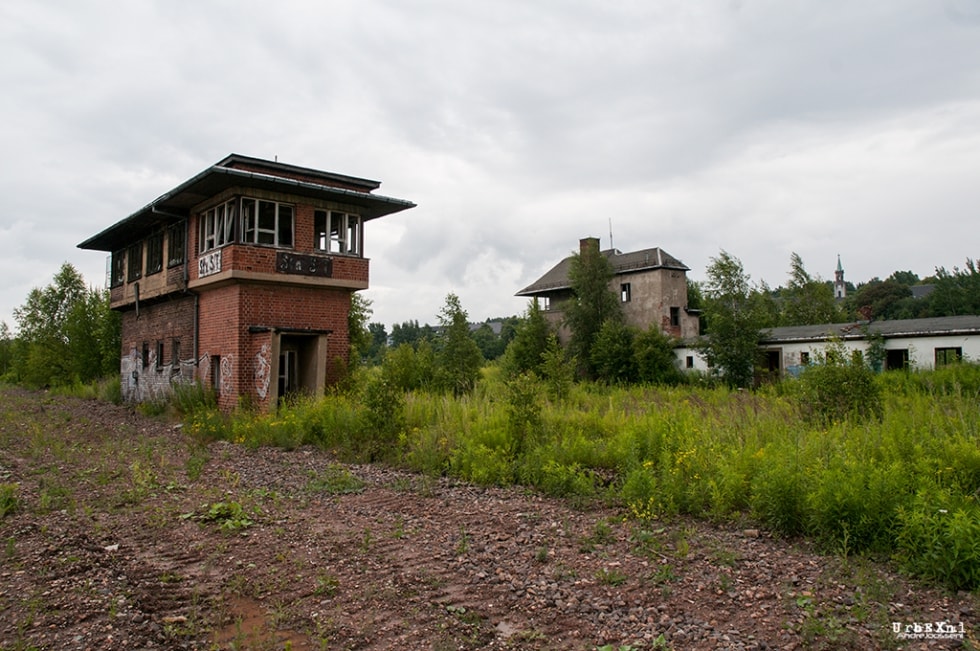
[[304, 265]]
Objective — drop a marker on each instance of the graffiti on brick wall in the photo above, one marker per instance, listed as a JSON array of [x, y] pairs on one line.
[[153, 380], [263, 371], [227, 368]]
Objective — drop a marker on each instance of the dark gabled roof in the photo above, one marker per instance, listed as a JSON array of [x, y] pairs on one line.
[[944, 325], [622, 263], [254, 173]]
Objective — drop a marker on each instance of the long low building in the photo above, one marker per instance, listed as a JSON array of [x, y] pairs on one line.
[[908, 343]]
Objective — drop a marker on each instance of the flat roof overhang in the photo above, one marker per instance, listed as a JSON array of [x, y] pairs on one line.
[[176, 204]]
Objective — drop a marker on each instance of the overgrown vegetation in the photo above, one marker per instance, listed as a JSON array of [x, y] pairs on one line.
[[887, 464]]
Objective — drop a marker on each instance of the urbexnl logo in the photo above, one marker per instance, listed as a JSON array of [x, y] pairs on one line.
[[943, 630]]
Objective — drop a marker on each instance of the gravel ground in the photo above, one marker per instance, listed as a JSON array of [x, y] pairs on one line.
[[130, 535]]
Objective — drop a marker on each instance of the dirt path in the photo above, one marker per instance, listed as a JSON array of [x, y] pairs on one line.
[[128, 535]]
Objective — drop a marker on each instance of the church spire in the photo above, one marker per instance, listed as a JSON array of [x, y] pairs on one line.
[[840, 289]]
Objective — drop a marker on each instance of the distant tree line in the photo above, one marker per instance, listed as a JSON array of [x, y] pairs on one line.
[[66, 335]]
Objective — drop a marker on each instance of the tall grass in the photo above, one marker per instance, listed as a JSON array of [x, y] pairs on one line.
[[905, 485]]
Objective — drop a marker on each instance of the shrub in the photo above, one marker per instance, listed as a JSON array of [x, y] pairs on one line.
[[523, 411], [779, 499], [410, 369], [383, 420], [188, 398], [611, 355], [939, 539], [838, 388]]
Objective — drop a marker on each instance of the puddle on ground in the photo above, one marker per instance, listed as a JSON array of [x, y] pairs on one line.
[[250, 628]]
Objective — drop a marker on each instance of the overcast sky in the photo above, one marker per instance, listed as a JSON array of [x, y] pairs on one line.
[[518, 127]]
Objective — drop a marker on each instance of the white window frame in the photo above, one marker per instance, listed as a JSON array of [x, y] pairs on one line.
[[264, 222], [218, 226], [338, 232]]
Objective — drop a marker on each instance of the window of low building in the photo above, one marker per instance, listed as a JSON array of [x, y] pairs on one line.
[[804, 358], [154, 254], [176, 244], [946, 356], [134, 260], [267, 222], [625, 292], [690, 361], [217, 226], [145, 355], [337, 232]]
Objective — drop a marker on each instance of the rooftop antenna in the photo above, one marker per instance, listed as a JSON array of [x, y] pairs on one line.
[[611, 245]]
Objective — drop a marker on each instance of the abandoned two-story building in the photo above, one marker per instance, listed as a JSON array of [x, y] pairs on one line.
[[241, 278], [651, 285]]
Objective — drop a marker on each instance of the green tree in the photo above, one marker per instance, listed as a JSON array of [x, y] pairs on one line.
[[593, 302], [613, 360], [655, 359], [526, 350], [762, 301], [957, 292], [6, 350], [357, 328], [490, 344], [67, 333], [459, 357], [409, 332], [408, 368], [732, 343], [882, 299], [379, 341], [807, 300], [557, 370]]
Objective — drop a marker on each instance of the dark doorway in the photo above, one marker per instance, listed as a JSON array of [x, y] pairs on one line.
[[298, 365]]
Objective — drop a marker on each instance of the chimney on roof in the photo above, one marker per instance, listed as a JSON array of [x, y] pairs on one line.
[[587, 244]]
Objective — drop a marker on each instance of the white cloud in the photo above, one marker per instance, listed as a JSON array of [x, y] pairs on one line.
[[760, 127]]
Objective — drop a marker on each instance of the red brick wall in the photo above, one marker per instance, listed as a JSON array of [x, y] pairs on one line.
[[160, 321], [303, 308], [226, 313]]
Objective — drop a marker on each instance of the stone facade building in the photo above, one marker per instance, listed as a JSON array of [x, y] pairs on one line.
[[241, 278], [651, 285]]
